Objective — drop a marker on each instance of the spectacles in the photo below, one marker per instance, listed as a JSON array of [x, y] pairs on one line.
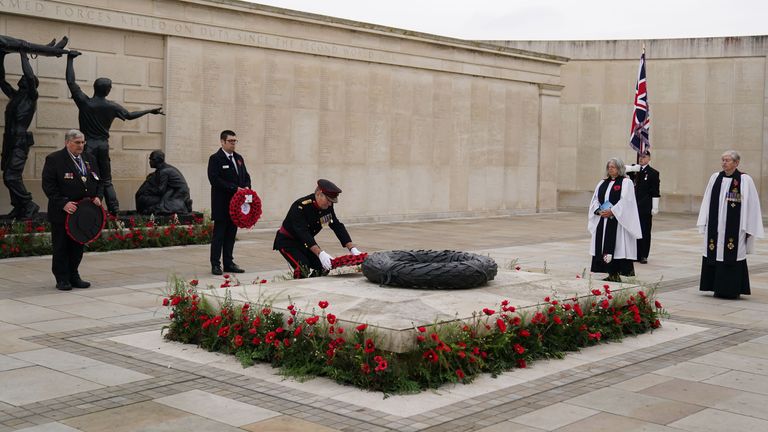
[[231, 141]]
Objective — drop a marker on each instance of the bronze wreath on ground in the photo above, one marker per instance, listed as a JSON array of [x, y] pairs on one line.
[[243, 214], [429, 269]]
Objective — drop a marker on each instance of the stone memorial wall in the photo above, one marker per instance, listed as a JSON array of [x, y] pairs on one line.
[[706, 95], [411, 126]]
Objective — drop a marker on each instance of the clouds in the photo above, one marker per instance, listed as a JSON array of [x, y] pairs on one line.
[[552, 19]]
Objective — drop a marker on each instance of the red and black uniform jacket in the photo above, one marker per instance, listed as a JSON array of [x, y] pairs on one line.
[[304, 220]]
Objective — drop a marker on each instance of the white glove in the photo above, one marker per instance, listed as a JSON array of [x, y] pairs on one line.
[[325, 260], [655, 208], [632, 168], [355, 251]]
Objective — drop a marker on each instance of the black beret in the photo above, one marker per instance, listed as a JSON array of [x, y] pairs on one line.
[[86, 223], [329, 189]]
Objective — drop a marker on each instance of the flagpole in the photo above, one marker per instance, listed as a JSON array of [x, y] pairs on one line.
[[637, 154]]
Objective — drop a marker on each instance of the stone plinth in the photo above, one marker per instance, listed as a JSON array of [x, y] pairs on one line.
[[393, 313]]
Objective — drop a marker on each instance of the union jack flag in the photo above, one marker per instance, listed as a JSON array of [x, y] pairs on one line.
[[639, 138]]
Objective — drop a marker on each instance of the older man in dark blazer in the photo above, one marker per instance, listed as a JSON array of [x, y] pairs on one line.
[[227, 174], [69, 176]]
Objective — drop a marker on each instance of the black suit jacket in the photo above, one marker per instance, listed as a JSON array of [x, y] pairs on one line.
[[224, 182], [62, 182], [646, 187], [304, 220]]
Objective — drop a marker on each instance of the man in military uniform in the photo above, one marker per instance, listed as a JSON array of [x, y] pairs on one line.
[[69, 175], [295, 240], [647, 195]]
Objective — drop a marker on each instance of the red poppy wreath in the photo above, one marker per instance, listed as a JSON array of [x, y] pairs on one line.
[[245, 211], [348, 260]]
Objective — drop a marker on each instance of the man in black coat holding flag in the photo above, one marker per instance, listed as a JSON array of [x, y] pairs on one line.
[[646, 180]]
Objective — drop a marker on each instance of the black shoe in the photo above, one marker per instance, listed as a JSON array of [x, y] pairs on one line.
[[79, 283], [216, 269], [643, 260], [63, 286], [233, 268]]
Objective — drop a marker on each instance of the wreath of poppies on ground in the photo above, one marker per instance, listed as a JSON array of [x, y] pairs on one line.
[[243, 214], [348, 260]]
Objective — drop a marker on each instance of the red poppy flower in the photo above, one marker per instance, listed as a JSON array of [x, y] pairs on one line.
[[194, 282], [616, 187], [323, 304], [365, 368], [361, 327], [421, 338], [238, 341], [224, 331], [266, 311], [431, 356], [488, 311], [422, 329], [521, 363], [256, 341], [525, 333], [166, 302], [658, 305], [460, 374], [501, 325], [331, 318], [312, 320], [297, 332], [382, 366], [369, 346], [270, 337], [435, 337], [175, 300], [519, 349]]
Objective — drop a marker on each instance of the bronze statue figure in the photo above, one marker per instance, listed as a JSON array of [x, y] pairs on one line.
[[16, 138], [165, 191], [96, 116], [53, 49]]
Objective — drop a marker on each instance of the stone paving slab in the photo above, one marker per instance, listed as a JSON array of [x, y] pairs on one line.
[[705, 370]]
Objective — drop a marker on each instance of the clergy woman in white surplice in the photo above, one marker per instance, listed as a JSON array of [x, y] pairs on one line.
[[730, 219], [614, 223]]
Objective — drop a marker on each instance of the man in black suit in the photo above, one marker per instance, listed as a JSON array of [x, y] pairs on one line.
[[646, 181], [295, 240], [227, 174], [69, 175]]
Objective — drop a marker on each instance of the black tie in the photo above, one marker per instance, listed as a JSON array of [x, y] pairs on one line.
[[234, 165]]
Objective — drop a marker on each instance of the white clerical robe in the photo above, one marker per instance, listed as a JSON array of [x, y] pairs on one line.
[[751, 221], [625, 212]]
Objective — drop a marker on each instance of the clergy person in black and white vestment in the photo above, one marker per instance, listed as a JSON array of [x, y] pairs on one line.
[[614, 224], [730, 218]]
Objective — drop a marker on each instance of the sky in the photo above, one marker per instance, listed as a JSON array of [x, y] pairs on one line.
[[551, 19]]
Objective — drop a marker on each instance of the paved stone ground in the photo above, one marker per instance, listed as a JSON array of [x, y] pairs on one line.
[[93, 360]]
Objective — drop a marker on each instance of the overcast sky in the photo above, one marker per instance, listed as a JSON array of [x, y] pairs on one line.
[[552, 19]]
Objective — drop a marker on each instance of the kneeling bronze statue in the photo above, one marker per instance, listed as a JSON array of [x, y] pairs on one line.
[[165, 191]]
